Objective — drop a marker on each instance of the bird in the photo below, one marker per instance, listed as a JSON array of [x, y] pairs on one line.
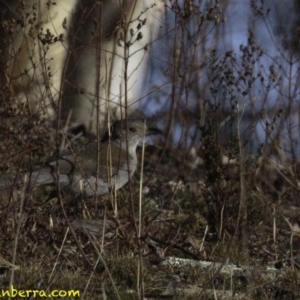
[[79, 170]]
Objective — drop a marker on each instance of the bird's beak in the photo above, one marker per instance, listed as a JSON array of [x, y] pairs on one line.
[[153, 131]]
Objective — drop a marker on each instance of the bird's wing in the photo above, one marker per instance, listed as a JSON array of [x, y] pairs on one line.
[[65, 164], [85, 160]]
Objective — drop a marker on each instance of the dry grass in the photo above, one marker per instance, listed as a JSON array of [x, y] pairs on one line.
[[199, 224], [220, 194]]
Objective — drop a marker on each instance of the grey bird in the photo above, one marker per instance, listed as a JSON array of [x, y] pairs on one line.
[[78, 169]]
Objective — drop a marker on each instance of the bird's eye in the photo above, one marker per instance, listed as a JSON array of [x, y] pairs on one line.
[[132, 129]]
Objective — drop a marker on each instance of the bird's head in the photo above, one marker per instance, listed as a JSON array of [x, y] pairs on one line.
[[131, 131]]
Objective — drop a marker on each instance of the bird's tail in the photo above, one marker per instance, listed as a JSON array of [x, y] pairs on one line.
[[37, 178]]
